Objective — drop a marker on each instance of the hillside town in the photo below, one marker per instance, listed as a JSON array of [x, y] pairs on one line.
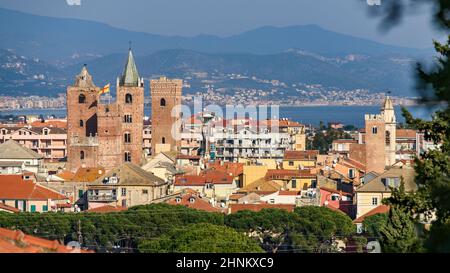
[[105, 157]]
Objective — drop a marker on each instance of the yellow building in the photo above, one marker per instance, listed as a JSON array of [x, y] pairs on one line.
[[126, 186], [253, 173], [372, 192], [295, 180], [298, 160]]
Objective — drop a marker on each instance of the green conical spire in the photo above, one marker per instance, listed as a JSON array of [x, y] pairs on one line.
[[130, 75]]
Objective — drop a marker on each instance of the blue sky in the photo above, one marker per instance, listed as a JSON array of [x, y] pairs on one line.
[[228, 17]]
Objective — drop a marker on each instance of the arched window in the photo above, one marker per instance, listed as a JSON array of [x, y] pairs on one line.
[[127, 138], [81, 123], [163, 140], [388, 137], [128, 98], [374, 130], [82, 155], [81, 98], [162, 102]]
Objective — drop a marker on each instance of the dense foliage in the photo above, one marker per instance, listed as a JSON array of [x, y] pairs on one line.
[[307, 229], [201, 238], [166, 228]]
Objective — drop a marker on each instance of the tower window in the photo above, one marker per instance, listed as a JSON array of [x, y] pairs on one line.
[[388, 137], [163, 140], [127, 119], [374, 130], [82, 155], [81, 98], [81, 123], [162, 102], [128, 98], [127, 156], [127, 138]]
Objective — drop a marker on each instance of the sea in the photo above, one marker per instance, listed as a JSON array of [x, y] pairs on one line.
[[308, 115]]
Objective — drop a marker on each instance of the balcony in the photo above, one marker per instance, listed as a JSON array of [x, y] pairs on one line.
[[102, 198]]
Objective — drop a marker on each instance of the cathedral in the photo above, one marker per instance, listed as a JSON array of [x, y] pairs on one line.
[[108, 135]]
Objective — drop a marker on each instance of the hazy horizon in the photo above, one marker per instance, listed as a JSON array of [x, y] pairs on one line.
[[218, 17]]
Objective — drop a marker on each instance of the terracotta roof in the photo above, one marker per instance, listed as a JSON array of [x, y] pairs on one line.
[[288, 174], [4, 207], [87, 174], [405, 133], [208, 176], [261, 185], [107, 209], [301, 155], [15, 241], [233, 208], [49, 123], [228, 167], [193, 157], [236, 196], [65, 175], [336, 191], [193, 201], [13, 150], [14, 187], [354, 163], [377, 210]]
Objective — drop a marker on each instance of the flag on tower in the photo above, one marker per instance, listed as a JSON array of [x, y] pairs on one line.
[[104, 90]]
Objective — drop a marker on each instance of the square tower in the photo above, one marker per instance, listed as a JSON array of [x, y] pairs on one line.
[[375, 143], [82, 103], [166, 112], [130, 102]]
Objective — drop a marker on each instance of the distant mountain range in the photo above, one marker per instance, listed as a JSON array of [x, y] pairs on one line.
[[291, 67], [307, 54]]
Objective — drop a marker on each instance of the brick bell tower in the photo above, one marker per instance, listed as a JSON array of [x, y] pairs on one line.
[[130, 103], [166, 95], [82, 103]]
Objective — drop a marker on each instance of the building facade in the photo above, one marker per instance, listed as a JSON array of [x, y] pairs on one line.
[[166, 113], [105, 135]]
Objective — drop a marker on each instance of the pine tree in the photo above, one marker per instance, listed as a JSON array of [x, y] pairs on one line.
[[399, 234]]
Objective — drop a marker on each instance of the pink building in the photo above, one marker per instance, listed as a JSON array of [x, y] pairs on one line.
[[47, 141]]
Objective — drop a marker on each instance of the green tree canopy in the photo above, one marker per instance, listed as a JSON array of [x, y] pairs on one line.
[[200, 238]]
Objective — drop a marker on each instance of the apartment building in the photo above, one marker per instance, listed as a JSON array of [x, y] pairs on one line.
[[50, 142]]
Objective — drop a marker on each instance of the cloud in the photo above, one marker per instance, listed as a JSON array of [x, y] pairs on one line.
[[73, 2]]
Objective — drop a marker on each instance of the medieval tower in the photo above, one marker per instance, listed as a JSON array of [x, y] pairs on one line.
[[387, 111], [82, 142], [166, 101], [380, 138], [105, 135]]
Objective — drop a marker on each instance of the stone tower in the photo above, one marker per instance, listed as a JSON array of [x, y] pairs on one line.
[[82, 103], [130, 99], [375, 143], [387, 111], [166, 95]]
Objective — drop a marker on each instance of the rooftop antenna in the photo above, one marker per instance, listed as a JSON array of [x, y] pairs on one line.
[[129, 45]]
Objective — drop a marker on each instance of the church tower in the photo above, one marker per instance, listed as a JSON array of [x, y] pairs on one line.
[[130, 103], [166, 111], [387, 111], [82, 102]]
